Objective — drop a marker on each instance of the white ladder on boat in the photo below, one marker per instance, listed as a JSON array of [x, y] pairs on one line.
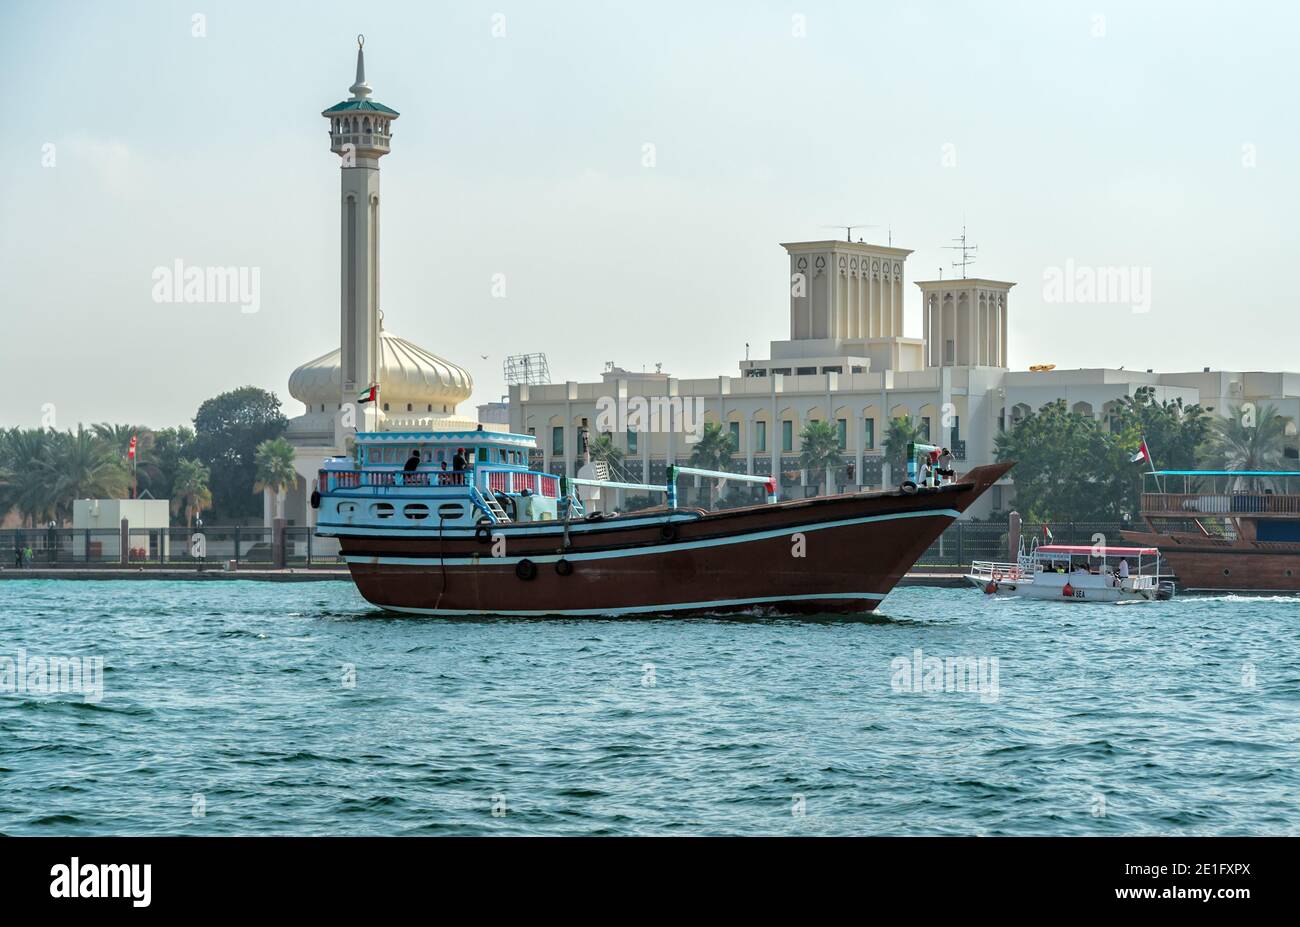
[[492, 505]]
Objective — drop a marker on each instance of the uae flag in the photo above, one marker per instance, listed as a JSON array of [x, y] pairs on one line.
[[370, 395], [1142, 453], [1047, 534]]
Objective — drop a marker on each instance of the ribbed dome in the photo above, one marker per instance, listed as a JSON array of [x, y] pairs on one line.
[[407, 374]]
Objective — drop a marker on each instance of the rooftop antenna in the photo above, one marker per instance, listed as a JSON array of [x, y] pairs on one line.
[[848, 229], [966, 251]]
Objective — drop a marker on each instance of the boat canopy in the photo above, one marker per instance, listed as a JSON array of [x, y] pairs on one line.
[[1270, 473], [1067, 550]]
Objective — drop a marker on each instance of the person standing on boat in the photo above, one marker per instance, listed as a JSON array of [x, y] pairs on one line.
[[1123, 569], [458, 461], [943, 466]]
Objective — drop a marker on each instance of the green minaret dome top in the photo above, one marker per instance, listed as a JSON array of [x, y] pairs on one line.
[[360, 91]]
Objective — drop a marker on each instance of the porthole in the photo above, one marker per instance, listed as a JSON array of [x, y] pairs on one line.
[[416, 511], [450, 511], [381, 510], [1227, 572]]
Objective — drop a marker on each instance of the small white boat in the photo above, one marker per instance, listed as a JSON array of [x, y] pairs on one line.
[[1076, 574]]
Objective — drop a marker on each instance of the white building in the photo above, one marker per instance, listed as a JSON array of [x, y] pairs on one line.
[[103, 518], [847, 362]]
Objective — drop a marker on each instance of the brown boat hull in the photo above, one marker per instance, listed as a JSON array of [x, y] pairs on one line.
[[833, 554], [1203, 564]]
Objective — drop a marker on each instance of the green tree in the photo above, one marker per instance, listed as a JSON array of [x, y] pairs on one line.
[[170, 446], [228, 428], [190, 492], [820, 450], [28, 490], [603, 448], [80, 465], [118, 438], [901, 432], [274, 462], [1251, 438], [1173, 433], [1065, 466], [713, 452]]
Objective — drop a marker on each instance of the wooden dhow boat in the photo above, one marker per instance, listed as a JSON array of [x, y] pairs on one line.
[[456, 523], [1225, 530]]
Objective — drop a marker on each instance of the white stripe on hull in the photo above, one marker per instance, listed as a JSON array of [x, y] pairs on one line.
[[651, 550], [640, 609]]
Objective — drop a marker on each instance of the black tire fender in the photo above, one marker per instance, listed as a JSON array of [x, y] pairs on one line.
[[668, 531], [564, 567], [526, 570]]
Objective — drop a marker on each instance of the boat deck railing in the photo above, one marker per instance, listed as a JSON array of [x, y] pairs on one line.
[[485, 478], [995, 571], [1230, 504]]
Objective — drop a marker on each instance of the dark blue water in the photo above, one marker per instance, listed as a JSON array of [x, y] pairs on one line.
[[226, 709]]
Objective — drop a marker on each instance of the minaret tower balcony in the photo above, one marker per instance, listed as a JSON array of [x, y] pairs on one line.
[[361, 129]]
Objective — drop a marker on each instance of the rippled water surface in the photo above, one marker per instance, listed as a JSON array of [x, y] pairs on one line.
[[229, 708]]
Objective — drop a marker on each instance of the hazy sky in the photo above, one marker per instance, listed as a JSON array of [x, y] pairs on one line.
[[1162, 136]]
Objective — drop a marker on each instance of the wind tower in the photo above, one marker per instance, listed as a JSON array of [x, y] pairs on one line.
[[361, 133]]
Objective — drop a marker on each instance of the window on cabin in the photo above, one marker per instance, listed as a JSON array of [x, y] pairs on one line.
[[483, 454]]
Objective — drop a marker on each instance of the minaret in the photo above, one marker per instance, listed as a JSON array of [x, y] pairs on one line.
[[360, 134]]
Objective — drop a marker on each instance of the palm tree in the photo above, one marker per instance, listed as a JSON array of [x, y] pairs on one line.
[[820, 451], [1249, 439], [713, 452], [902, 432], [119, 438], [274, 463], [190, 490], [27, 489], [603, 448], [80, 465]]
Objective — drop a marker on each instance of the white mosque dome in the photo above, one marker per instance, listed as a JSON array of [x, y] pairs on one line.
[[408, 375]]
